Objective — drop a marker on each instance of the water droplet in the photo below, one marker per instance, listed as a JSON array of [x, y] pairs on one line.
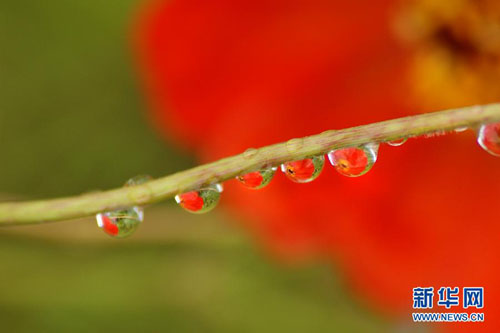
[[434, 134], [397, 143], [200, 201], [257, 179], [120, 223], [250, 152], [293, 145], [304, 171], [139, 195], [138, 180], [354, 161], [461, 129], [488, 138]]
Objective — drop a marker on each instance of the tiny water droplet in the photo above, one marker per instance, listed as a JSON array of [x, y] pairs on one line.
[[354, 161], [200, 201], [138, 180], [294, 145], [488, 138], [257, 179], [139, 195], [120, 223], [304, 171], [461, 129], [397, 143], [250, 152], [434, 134]]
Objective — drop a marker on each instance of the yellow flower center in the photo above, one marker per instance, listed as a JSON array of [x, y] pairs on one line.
[[456, 50]]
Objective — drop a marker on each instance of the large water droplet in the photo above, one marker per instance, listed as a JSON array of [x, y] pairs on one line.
[[120, 223], [200, 201], [488, 138], [397, 143], [354, 161], [257, 179], [304, 171]]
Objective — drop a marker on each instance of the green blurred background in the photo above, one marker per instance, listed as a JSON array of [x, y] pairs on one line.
[[72, 120]]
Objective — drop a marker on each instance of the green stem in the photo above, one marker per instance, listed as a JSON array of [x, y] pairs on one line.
[[253, 159]]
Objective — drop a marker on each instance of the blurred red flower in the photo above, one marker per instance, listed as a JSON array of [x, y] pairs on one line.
[[226, 75]]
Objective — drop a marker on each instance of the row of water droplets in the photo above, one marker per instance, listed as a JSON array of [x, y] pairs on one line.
[[350, 162]]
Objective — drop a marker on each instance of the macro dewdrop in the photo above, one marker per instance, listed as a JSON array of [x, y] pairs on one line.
[[354, 161], [304, 171], [200, 201]]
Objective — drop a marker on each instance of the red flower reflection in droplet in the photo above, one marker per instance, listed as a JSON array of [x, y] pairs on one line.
[[489, 138], [191, 201], [108, 226], [251, 179], [349, 161], [299, 171]]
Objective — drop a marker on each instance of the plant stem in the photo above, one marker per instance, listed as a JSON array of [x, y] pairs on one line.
[[42, 211]]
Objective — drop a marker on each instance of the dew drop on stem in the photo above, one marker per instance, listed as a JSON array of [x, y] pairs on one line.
[[140, 195], [250, 153], [138, 180], [124, 222], [120, 223], [354, 161], [304, 171], [397, 143], [200, 201], [488, 137], [257, 179]]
